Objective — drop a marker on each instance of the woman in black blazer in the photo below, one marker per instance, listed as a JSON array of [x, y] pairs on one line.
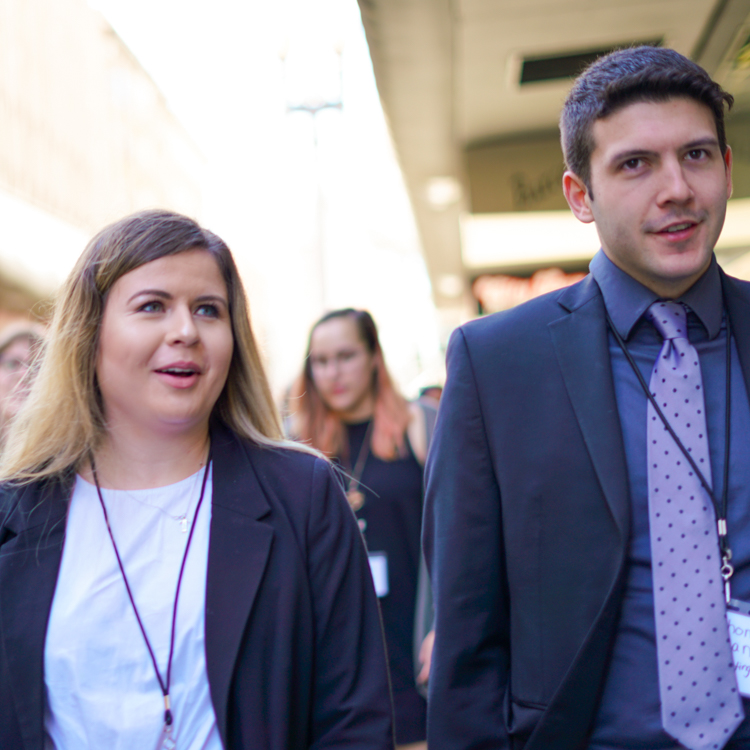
[[172, 573]]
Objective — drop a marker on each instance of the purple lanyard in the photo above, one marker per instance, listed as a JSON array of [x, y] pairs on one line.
[[164, 685]]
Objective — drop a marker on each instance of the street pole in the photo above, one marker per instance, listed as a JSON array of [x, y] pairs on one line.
[[313, 107]]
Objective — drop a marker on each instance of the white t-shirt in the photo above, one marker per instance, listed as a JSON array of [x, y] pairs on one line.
[[102, 691]]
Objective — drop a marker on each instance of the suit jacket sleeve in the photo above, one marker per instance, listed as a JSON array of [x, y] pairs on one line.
[[464, 549], [352, 706], [10, 731]]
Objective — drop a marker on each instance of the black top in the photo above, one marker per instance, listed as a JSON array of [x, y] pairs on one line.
[[391, 520]]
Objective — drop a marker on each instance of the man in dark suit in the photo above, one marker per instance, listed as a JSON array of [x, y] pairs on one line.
[[586, 486]]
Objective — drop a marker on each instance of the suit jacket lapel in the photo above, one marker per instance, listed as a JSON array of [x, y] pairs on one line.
[[582, 348], [738, 309], [239, 546], [29, 565]]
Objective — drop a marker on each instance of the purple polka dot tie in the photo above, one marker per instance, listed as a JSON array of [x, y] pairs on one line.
[[700, 704]]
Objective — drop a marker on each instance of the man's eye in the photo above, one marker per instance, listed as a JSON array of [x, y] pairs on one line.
[[631, 164], [697, 153]]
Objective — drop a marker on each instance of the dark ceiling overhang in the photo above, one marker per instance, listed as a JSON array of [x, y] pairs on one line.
[[473, 139]]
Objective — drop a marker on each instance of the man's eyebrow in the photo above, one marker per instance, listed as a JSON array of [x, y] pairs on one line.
[[708, 141], [631, 153]]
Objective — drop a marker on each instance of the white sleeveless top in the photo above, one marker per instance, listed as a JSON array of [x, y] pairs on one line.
[[102, 691]]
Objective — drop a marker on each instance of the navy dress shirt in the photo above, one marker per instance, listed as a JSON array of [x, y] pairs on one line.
[[629, 713]]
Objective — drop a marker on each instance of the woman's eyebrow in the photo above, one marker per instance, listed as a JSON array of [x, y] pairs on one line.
[[166, 295], [212, 298], [152, 292]]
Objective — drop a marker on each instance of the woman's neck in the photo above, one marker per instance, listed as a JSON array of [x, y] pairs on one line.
[[152, 461], [360, 412]]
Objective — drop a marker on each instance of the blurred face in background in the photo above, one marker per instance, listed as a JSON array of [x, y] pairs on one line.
[[343, 369], [15, 360]]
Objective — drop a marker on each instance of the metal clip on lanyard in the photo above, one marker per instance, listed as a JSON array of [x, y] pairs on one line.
[[727, 569]]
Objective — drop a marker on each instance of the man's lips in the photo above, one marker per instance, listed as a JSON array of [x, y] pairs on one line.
[[676, 230], [676, 227]]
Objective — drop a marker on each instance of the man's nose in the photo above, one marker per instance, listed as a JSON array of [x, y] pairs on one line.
[[675, 187]]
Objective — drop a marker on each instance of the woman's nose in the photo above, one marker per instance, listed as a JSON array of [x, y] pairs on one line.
[[183, 329]]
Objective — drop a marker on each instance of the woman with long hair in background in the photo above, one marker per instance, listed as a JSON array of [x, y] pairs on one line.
[[345, 404], [20, 342], [173, 574]]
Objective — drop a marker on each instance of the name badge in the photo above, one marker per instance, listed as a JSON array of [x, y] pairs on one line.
[[738, 618], [379, 571]]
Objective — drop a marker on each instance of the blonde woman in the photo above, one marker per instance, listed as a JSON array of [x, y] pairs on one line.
[[172, 573]]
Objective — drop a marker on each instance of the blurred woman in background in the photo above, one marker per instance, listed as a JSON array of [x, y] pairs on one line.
[[345, 404], [173, 573], [19, 344]]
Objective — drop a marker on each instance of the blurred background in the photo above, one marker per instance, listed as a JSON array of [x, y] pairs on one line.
[[395, 155]]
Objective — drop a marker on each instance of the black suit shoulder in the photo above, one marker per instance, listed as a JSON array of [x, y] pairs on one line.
[[291, 477], [738, 288], [528, 322], [27, 506], [504, 349], [283, 466]]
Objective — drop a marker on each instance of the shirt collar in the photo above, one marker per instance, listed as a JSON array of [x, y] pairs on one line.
[[627, 299]]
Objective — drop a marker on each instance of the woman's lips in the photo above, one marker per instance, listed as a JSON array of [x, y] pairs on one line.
[[179, 374]]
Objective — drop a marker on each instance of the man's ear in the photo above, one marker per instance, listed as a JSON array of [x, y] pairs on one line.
[[577, 195], [728, 166]]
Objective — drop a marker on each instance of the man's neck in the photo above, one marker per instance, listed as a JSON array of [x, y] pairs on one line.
[[663, 286]]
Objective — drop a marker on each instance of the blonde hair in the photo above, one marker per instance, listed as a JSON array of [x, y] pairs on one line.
[[63, 420]]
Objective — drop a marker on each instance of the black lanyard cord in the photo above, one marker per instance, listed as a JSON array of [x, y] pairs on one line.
[[162, 684], [727, 417], [721, 509]]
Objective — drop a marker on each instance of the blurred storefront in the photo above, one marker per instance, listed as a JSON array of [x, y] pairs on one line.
[[87, 138], [473, 91]]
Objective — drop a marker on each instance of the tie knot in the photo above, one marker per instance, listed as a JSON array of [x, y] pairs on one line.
[[669, 318]]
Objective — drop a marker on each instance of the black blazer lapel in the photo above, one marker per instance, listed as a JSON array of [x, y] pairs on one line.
[[239, 545], [29, 565], [582, 348], [737, 302]]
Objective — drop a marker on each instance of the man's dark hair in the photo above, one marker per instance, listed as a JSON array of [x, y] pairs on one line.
[[637, 74]]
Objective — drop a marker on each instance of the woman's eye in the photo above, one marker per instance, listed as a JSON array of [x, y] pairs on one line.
[[152, 306], [207, 311]]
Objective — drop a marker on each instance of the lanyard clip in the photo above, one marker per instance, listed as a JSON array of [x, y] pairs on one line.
[[727, 570]]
